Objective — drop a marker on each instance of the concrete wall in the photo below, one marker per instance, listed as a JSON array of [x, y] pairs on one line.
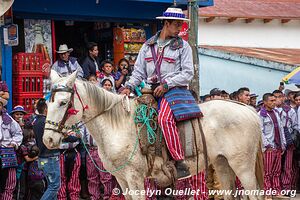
[[231, 75], [255, 34]]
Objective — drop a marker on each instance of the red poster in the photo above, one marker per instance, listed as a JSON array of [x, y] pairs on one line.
[[184, 33]]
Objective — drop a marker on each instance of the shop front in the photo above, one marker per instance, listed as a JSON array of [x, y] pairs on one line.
[[119, 29]]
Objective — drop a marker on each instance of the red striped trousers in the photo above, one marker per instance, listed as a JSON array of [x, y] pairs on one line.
[[167, 123], [10, 183], [198, 183], [286, 175], [96, 177], [272, 164], [73, 186]]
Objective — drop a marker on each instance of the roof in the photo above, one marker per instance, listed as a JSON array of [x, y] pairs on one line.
[[96, 10], [257, 9], [285, 56]]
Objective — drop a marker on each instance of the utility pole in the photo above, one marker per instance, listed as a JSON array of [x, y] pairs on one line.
[[193, 41]]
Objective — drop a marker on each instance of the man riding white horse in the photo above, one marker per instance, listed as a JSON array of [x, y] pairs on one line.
[[165, 62]]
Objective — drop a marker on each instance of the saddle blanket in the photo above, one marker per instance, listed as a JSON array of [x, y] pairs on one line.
[[183, 104]]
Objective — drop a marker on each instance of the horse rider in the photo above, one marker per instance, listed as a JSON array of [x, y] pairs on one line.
[[165, 62]]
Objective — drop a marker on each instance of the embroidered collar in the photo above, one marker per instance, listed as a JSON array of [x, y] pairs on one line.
[[263, 112], [176, 42]]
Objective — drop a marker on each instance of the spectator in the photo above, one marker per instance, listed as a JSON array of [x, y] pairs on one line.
[[206, 98], [123, 70], [10, 139], [106, 67], [66, 65], [274, 144], [48, 159], [224, 94], [215, 94], [233, 96], [290, 125], [70, 162], [91, 63], [36, 182], [23, 160], [107, 84], [243, 95], [95, 176], [18, 114], [93, 79], [253, 98]]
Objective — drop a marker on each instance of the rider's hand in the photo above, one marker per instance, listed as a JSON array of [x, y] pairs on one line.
[[159, 91], [126, 91]]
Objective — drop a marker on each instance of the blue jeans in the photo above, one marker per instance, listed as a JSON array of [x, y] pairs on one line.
[[51, 169]]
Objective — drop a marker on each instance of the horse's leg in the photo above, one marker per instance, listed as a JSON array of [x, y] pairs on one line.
[[246, 174], [225, 175], [124, 186], [135, 182]]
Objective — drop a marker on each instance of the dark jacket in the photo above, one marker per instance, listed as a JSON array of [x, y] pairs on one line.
[[89, 67], [38, 129]]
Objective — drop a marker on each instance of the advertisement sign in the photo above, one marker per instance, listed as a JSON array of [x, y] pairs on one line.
[[184, 33], [11, 36]]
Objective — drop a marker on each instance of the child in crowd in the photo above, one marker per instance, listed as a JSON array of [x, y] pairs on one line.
[[107, 85], [36, 178], [93, 79], [122, 72], [23, 159], [107, 67], [18, 114]]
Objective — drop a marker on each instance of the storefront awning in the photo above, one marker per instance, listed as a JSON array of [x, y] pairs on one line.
[[96, 10]]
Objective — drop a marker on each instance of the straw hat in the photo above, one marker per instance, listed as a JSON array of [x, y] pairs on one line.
[[64, 48], [5, 5], [173, 13]]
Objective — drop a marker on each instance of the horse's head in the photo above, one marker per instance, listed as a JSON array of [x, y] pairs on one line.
[[64, 109]]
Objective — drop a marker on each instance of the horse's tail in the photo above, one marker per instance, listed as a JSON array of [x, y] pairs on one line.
[[259, 167]]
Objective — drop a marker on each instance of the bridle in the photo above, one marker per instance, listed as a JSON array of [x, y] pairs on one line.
[[70, 110]]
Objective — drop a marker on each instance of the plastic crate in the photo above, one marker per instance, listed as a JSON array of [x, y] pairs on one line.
[[27, 63], [27, 101], [29, 83]]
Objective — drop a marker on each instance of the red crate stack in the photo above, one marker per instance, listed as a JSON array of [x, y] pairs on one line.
[[27, 79]]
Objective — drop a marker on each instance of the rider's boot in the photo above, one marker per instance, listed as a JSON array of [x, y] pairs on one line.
[[183, 171]]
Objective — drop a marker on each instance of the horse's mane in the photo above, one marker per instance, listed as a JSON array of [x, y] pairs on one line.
[[106, 102]]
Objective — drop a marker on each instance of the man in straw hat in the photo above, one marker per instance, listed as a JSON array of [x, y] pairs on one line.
[[165, 62], [66, 65]]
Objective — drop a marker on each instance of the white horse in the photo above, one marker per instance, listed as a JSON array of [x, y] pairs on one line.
[[232, 132]]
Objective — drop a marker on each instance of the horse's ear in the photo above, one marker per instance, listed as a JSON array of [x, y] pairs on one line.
[[71, 79], [54, 76]]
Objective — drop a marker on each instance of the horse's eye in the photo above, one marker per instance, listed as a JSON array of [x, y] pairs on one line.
[[63, 103]]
